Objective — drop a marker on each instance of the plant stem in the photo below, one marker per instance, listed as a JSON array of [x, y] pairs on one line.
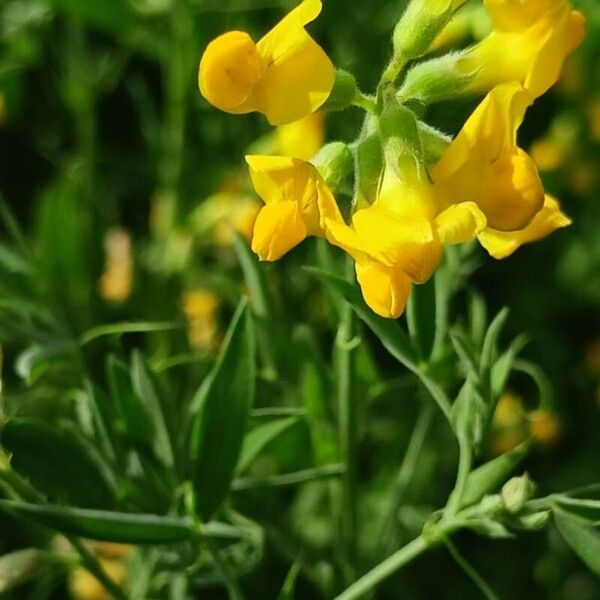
[[365, 102], [348, 433], [406, 471], [233, 589], [385, 569], [91, 563], [464, 467], [295, 477]]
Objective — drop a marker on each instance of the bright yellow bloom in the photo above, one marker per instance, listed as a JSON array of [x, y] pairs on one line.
[[501, 244], [398, 239], [117, 279], [200, 309], [285, 76], [297, 202], [301, 139], [529, 43], [484, 165]]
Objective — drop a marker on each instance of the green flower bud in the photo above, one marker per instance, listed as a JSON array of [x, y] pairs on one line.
[[516, 492], [535, 521], [334, 162], [421, 22], [343, 92], [435, 80], [369, 165]]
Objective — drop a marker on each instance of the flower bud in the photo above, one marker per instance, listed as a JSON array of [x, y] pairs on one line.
[[419, 25], [535, 521], [436, 79], [369, 165], [516, 492], [343, 92], [333, 161]]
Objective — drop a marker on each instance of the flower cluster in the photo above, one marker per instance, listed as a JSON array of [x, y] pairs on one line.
[[416, 190]]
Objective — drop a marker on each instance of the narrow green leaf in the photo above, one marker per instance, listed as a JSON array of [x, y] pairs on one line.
[[469, 412], [119, 329], [224, 402], [36, 358], [490, 342], [420, 315], [490, 476], [104, 525], [260, 303], [503, 366], [586, 510], [465, 352], [58, 462], [145, 390], [584, 540], [389, 332], [257, 439]]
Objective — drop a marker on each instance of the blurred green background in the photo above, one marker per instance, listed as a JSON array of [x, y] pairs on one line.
[[107, 151]]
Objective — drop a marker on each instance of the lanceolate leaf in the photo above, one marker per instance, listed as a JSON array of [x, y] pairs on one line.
[[583, 539], [58, 462], [257, 439], [223, 404]]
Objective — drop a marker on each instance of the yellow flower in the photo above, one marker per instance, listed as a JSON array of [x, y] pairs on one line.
[[297, 202], [544, 426], [484, 165], [507, 424], [529, 43], [501, 244], [285, 76], [117, 279], [200, 308], [301, 139], [398, 239]]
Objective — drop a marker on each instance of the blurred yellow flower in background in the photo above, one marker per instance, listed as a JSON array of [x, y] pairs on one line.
[[116, 281], [200, 308], [544, 426], [84, 586], [285, 76]]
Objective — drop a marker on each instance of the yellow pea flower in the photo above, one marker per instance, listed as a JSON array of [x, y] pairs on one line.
[[545, 426], [501, 244], [285, 76], [116, 281], [297, 202], [484, 165], [301, 139], [200, 308], [529, 43], [398, 239]]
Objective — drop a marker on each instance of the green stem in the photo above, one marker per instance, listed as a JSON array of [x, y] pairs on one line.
[[365, 102], [384, 569], [233, 589], [462, 562], [91, 563], [348, 433], [293, 478], [407, 470], [464, 467]]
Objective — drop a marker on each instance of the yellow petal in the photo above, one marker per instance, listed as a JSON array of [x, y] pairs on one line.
[[283, 178], [303, 138], [278, 228], [460, 223], [229, 70], [384, 289], [483, 164], [501, 244], [299, 76]]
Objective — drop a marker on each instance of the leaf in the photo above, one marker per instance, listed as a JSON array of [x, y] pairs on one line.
[[420, 315], [469, 412], [584, 540], [388, 331], [224, 401], [465, 352], [490, 476], [260, 302], [120, 527], [257, 439], [503, 366], [58, 462], [490, 341], [32, 362], [119, 329], [145, 390], [586, 510], [21, 566]]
